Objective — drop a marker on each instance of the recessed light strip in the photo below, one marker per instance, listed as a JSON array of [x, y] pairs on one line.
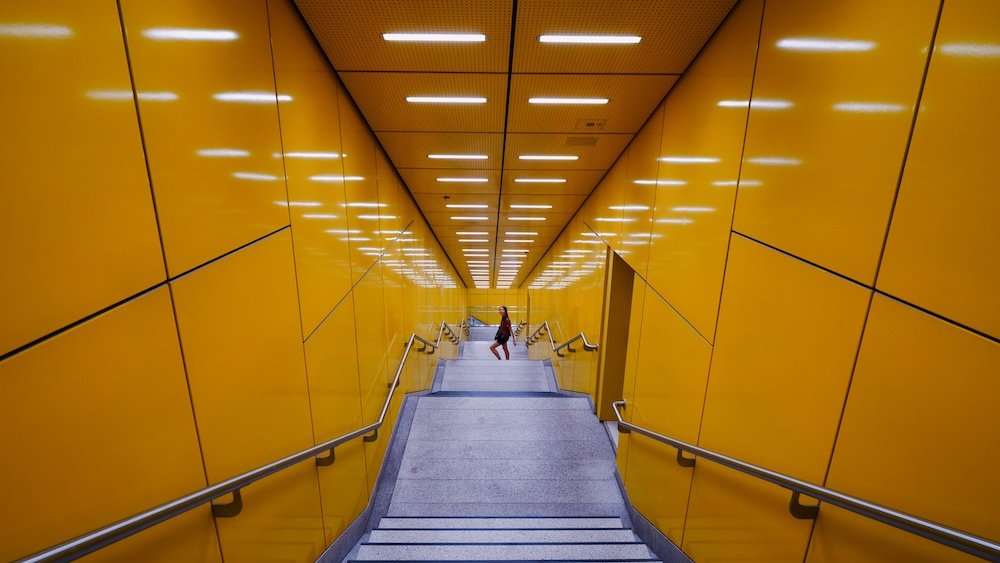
[[591, 39], [569, 101], [436, 37], [445, 100]]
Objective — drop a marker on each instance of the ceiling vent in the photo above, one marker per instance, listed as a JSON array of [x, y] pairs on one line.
[[590, 125], [581, 141]]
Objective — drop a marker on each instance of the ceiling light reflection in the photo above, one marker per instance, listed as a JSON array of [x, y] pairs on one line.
[[222, 153], [251, 97], [35, 31], [254, 176], [774, 161], [187, 34], [689, 159], [821, 45], [869, 107]]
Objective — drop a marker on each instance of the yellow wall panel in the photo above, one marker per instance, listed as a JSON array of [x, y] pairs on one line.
[[239, 326], [640, 193], [210, 123], [75, 194], [735, 517], [361, 187], [310, 133], [332, 364], [788, 335], [920, 383], [944, 239], [281, 519], [696, 182], [369, 314], [631, 360], [834, 93], [111, 396]]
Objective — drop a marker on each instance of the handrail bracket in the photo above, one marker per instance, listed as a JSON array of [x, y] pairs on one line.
[[802, 511], [327, 460], [230, 509]]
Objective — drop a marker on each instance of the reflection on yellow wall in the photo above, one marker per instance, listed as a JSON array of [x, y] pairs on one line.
[[776, 303], [209, 110], [76, 214], [254, 334]]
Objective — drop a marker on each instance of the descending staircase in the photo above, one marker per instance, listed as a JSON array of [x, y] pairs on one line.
[[501, 466]]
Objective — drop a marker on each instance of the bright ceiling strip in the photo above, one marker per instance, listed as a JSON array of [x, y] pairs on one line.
[[540, 180], [591, 39], [436, 37], [569, 101], [548, 157], [445, 100], [458, 156]]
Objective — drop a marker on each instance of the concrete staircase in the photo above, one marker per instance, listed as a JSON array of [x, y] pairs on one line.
[[500, 466]]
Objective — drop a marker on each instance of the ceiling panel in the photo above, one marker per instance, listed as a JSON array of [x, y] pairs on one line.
[[631, 99], [580, 182], [595, 152], [379, 75], [423, 180], [672, 34], [350, 31], [381, 96], [410, 150], [559, 203]]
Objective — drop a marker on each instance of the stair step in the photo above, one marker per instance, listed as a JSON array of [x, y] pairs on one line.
[[511, 560], [501, 536], [514, 552], [417, 523]]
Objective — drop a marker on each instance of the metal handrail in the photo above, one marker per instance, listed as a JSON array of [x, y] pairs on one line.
[[107, 535], [545, 325], [520, 325], [957, 539]]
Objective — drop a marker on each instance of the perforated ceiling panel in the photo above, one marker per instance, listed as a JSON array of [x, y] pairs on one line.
[[672, 32], [350, 31], [379, 75]]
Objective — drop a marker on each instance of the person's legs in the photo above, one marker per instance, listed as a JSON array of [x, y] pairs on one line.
[[493, 348], [506, 352]]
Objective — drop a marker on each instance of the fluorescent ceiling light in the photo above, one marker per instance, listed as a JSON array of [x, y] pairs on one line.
[[223, 153], [458, 156], [445, 100], [689, 159], [572, 101], [660, 182], [331, 178], [548, 157], [470, 180], [469, 218], [591, 39], [526, 218], [540, 180], [184, 34], [467, 206], [477, 261], [309, 155], [820, 45], [251, 97], [529, 206], [473, 240], [514, 250], [514, 241], [436, 37], [471, 233], [520, 233]]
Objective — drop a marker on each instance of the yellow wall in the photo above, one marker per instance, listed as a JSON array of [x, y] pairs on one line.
[[194, 290], [818, 294]]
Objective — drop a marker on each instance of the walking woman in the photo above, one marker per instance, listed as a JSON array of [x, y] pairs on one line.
[[503, 333]]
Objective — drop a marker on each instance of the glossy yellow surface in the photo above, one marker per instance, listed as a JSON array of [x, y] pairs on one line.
[[637, 209], [310, 134], [239, 327], [281, 519], [671, 375], [369, 314], [696, 188], [735, 517], [76, 214], [639, 289], [920, 382], [944, 239], [788, 334], [361, 187], [210, 125], [110, 395], [834, 93], [332, 365]]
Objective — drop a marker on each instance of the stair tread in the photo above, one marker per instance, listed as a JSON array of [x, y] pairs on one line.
[[572, 535], [603, 522], [444, 552]]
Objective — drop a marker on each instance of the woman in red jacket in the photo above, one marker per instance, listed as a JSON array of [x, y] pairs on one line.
[[503, 333]]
